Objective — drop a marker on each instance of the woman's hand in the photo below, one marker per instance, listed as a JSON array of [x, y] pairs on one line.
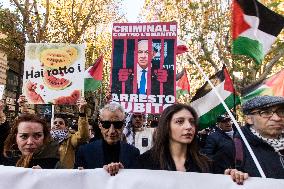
[[36, 167], [82, 103], [113, 168], [22, 101], [238, 176]]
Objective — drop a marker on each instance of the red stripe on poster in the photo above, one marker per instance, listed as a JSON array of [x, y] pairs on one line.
[[162, 55], [135, 67], [124, 62], [175, 51], [111, 66]]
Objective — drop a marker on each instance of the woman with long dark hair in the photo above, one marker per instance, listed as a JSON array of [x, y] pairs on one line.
[[175, 146]]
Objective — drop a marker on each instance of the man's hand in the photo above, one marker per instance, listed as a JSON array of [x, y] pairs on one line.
[[22, 100], [113, 168], [123, 74], [108, 96], [162, 75], [81, 103], [238, 176]]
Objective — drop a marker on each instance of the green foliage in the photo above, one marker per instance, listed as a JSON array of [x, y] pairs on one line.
[[12, 42]]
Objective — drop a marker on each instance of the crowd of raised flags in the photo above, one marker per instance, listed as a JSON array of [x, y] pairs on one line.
[[254, 30]]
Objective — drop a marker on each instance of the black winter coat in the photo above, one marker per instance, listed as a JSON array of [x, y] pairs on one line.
[[4, 132], [269, 160], [146, 161], [46, 158], [221, 149]]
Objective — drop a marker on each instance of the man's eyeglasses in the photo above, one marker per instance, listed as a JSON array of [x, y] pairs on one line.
[[269, 113], [116, 124], [59, 122]]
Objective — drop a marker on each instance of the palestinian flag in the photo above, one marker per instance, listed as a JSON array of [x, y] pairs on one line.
[[182, 86], [273, 86], [254, 29], [94, 75], [207, 104], [181, 47]]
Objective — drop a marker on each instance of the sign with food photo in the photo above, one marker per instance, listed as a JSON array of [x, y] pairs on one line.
[[53, 73]]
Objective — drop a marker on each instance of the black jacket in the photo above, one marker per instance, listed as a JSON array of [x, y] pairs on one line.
[[91, 156], [146, 161], [269, 160], [4, 131], [220, 148], [46, 158]]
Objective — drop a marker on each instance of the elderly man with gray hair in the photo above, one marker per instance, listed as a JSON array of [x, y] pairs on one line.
[[109, 150], [264, 132]]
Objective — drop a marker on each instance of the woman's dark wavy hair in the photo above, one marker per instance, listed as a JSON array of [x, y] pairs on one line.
[[161, 149], [10, 144]]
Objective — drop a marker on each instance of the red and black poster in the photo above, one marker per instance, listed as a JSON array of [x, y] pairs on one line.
[[143, 66]]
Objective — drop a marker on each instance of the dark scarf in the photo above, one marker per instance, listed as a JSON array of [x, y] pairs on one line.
[[111, 152]]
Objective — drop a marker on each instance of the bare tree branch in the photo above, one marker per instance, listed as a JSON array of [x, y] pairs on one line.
[[45, 20], [221, 54], [72, 17], [17, 3], [78, 15], [268, 68], [38, 37], [85, 23], [207, 53]]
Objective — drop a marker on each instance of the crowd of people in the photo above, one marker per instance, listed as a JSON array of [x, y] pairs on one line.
[[120, 141]]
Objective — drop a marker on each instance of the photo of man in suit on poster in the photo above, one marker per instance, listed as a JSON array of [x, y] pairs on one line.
[[149, 65], [143, 54], [143, 69]]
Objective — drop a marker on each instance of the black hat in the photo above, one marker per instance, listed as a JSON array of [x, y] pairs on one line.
[[261, 102], [224, 117]]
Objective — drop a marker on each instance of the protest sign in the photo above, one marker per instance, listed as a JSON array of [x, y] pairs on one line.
[[143, 65], [53, 73], [15, 178]]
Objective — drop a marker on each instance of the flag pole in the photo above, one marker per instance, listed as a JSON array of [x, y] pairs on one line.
[[52, 113], [235, 110], [232, 117], [101, 91]]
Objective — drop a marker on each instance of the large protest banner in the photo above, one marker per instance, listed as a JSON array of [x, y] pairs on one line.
[[53, 73], [15, 178], [143, 65]]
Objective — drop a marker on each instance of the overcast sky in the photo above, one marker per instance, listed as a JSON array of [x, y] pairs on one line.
[[131, 8]]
